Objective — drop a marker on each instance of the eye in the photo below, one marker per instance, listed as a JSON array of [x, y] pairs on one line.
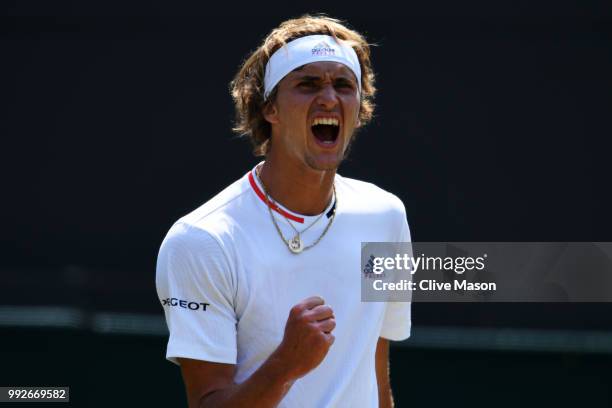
[[306, 84], [344, 84]]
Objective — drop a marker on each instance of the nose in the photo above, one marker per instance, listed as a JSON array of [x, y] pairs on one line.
[[327, 97]]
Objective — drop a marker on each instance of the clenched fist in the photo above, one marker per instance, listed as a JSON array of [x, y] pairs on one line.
[[307, 337]]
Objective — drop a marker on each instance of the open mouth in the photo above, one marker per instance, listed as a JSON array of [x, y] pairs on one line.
[[326, 133]]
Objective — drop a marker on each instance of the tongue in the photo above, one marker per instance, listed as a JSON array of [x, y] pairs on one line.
[[325, 133]]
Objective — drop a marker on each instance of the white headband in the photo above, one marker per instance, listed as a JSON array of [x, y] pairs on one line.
[[305, 50]]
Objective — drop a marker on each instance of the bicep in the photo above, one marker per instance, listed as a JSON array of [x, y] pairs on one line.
[[203, 377]]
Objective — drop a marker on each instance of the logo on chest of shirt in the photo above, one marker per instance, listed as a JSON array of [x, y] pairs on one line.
[[184, 304], [368, 270]]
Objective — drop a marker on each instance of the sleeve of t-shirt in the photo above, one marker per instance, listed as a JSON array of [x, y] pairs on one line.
[[397, 320], [195, 287]]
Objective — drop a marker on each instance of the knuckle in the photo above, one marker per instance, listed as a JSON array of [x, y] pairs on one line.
[[320, 339], [303, 318]]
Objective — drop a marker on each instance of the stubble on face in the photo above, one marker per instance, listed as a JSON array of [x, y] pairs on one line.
[[311, 161]]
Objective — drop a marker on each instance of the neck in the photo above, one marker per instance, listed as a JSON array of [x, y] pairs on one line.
[[297, 187]]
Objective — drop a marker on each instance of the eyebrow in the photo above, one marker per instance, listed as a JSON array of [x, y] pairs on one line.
[[318, 78], [308, 78]]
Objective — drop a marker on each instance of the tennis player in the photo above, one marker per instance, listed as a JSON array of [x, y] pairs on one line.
[[261, 285]]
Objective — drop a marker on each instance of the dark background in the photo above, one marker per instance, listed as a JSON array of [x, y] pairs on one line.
[[492, 124]]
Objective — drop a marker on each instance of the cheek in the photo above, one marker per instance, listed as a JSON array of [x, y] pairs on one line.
[[296, 109], [352, 101], [353, 106]]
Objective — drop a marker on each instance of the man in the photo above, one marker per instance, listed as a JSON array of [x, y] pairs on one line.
[[261, 284]]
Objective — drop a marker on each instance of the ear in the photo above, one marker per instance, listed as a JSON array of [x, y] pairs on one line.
[[270, 113]]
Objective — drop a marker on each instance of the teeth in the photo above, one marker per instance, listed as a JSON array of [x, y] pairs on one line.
[[325, 121]]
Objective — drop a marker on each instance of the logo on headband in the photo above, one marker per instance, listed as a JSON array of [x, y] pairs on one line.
[[323, 49]]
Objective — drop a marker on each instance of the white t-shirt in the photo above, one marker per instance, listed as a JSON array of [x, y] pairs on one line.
[[227, 282]]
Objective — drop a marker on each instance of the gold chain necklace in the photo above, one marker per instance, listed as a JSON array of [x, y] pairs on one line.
[[296, 245]]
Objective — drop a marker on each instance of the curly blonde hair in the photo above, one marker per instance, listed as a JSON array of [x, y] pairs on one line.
[[247, 87]]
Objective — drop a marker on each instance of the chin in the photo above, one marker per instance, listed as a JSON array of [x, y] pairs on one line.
[[323, 165]]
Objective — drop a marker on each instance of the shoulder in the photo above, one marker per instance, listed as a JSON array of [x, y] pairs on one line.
[[220, 209], [218, 218], [370, 196], [193, 255], [371, 206], [205, 230]]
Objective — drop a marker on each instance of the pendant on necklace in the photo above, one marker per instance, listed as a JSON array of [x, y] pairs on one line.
[[295, 244]]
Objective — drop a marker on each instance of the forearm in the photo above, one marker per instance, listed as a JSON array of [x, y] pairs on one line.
[[385, 397], [385, 394], [265, 388]]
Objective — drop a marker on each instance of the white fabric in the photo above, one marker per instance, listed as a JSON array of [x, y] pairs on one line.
[[305, 50], [228, 254]]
